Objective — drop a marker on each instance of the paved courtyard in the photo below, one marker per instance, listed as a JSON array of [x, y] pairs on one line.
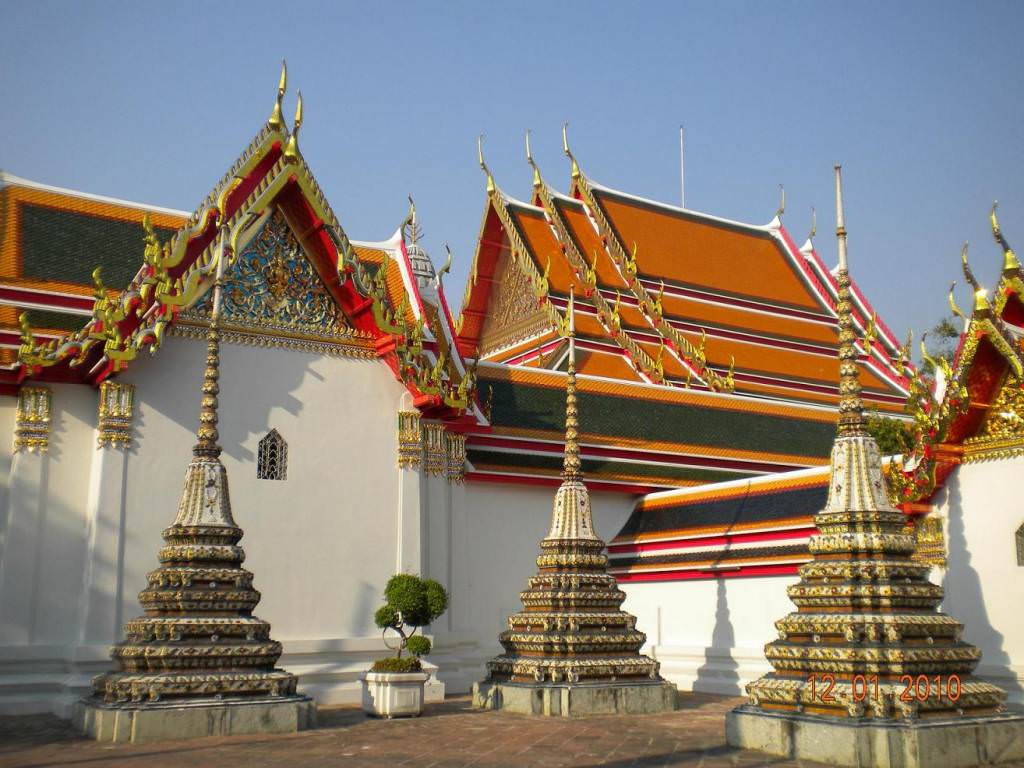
[[449, 734]]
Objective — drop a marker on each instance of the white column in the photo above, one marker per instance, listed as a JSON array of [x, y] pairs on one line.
[[20, 558], [408, 557], [100, 605]]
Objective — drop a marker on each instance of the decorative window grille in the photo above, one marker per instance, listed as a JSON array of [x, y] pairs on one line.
[[1020, 545], [272, 460]]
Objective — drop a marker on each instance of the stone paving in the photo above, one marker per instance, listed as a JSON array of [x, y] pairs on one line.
[[451, 734]]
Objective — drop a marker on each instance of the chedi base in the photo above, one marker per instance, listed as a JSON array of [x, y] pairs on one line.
[[142, 723], [576, 699], [957, 742]]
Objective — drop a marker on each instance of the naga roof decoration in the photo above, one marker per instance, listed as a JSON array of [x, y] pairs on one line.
[[975, 410], [666, 296], [382, 307]]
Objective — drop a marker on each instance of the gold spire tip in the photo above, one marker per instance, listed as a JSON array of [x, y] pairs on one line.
[[568, 152], [276, 117], [483, 165], [291, 152]]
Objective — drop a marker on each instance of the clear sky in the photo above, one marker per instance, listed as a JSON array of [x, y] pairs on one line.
[[921, 102]]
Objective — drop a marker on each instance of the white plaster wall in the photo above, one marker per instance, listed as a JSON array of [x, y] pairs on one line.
[[709, 634], [321, 543], [8, 411], [984, 586], [61, 547]]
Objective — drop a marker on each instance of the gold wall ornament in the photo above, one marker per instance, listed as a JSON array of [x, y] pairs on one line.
[[33, 419], [930, 541], [410, 440], [456, 446], [116, 411], [435, 448]]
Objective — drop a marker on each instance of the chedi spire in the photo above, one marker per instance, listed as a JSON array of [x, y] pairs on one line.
[[572, 628], [866, 616]]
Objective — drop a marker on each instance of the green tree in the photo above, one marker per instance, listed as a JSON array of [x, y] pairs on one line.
[[892, 435], [941, 340]]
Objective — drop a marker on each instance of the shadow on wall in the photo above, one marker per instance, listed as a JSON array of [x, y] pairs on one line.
[[720, 672], [963, 585]]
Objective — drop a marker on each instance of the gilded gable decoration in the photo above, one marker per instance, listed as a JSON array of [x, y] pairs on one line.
[[272, 286], [32, 424], [115, 414], [410, 440], [1002, 432], [514, 313]]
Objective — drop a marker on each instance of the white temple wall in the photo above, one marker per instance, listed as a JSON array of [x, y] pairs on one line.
[[982, 510], [709, 634]]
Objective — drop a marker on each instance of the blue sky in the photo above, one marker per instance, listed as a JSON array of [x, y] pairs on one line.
[[921, 102]]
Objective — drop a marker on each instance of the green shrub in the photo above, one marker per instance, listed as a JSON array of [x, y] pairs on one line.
[[391, 664], [412, 603], [418, 645]]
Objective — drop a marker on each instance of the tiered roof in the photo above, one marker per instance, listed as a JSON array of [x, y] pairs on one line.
[[672, 301], [974, 411]]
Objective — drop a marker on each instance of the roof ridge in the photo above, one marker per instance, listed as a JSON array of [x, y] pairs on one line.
[[668, 207], [10, 180]]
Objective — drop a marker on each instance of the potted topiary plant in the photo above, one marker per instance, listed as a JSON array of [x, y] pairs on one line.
[[394, 686]]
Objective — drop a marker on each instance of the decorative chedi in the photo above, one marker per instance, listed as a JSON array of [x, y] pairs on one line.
[[867, 671], [198, 662], [572, 650]]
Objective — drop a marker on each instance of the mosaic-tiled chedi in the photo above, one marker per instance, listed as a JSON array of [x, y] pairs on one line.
[[198, 637], [572, 628], [866, 640]]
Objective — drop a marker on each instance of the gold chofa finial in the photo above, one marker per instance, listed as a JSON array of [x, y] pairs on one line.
[[446, 269], [1011, 265], [814, 224], [782, 202], [980, 294], [276, 120], [291, 151], [568, 152], [952, 302], [491, 188], [529, 158]]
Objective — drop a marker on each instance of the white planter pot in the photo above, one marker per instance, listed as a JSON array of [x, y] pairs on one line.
[[393, 694]]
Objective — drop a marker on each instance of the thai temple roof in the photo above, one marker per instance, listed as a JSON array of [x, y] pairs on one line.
[[730, 322], [761, 526]]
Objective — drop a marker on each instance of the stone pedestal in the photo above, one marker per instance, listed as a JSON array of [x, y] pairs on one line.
[[141, 723], [950, 742], [576, 699]]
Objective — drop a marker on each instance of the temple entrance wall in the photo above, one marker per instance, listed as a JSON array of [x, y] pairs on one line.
[[982, 509]]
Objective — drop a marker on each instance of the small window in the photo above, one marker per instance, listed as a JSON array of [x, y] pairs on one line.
[[1020, 545], [272, 461]]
